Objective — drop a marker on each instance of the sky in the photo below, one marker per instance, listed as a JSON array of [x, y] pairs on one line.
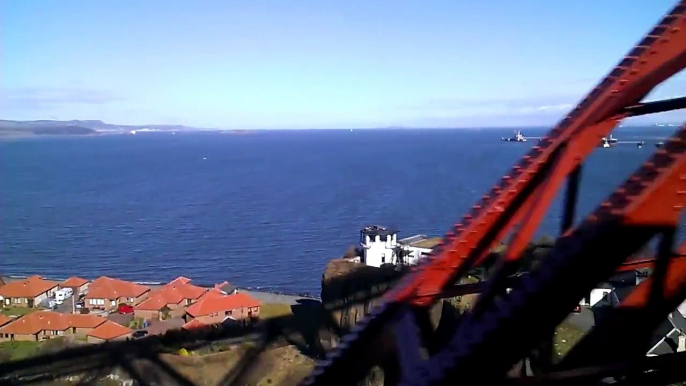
[[315, 64]]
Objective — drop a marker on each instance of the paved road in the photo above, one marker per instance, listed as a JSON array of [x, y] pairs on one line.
[[66, 307], [584, 320]]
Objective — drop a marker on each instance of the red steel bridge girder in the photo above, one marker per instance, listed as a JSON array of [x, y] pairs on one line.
[[504, 331], [661, 54]]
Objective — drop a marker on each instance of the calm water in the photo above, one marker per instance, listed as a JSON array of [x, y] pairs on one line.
[[263, 210]]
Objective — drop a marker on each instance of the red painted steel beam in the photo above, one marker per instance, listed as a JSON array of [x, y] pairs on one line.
[[576, 149], [475, 288], [657, 57], [634, 265], [506, 330]]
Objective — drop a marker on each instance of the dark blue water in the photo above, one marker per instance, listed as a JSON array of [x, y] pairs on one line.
[[266, 210]]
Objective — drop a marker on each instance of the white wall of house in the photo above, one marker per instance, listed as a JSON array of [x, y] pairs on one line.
[[41, 298], [596, 295], [380, 250]]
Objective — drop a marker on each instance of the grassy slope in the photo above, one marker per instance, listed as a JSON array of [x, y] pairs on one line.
[[17, 311]]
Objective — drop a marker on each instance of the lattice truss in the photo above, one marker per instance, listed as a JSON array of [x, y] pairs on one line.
[[505, 327]]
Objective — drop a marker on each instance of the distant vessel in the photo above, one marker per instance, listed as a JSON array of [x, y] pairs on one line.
[[518, 137], [611, 141]]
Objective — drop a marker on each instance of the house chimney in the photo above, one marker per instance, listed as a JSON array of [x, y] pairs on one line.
[[682, 343]]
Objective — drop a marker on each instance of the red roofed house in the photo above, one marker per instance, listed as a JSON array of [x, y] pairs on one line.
[[108, 331], [226, 287], [4, 319], [29, 292], [46, 324], [172, 298], [194, 323], [214, 307], [77, 284], [106, 293]]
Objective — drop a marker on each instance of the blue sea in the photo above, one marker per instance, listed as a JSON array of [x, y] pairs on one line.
[[267, 209]]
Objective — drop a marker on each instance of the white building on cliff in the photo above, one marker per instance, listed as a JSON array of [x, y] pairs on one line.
[[380, 246]]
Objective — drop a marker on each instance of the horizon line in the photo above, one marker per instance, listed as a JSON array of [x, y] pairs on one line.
[[399, 127]]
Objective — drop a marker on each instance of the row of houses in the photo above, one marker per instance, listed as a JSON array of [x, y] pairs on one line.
[[179, 298], [42, 325]]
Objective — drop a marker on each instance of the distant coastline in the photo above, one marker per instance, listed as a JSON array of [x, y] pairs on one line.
[[12, 129], [82, 128]]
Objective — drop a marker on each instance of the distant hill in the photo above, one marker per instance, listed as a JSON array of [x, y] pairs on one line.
[[76, 127]]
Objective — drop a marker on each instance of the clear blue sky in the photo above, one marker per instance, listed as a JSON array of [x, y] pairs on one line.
[[317, 63]]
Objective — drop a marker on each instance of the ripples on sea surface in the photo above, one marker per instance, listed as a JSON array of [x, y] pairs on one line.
[[267, 209]]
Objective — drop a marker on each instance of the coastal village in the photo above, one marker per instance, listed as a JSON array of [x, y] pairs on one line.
[[106, 309], [36, 309]]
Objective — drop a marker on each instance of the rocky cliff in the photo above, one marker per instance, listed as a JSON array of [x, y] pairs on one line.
[[350, 289]]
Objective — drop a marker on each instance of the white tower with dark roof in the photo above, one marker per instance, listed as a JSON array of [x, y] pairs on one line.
[[379, 245]]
